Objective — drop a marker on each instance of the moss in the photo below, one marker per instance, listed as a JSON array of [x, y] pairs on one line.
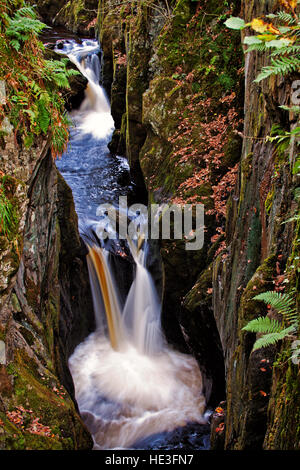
[[75, 15], [260, 282], [39, 392], [284, 407], [14, 438], [11, 190], [269, 200]]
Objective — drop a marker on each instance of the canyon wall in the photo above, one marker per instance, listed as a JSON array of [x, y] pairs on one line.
[[193, 124], [43, 294], [262, 397], [78, 16]]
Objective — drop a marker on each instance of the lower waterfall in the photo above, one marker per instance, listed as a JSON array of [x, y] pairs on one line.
[[129, 383]]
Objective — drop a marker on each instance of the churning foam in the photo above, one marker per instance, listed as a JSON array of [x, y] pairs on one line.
[[124, 396], [132, 385]]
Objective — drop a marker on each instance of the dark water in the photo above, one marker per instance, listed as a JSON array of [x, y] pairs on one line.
[[94, 175]]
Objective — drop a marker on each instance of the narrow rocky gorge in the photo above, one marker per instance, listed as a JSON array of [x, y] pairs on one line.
[[193, 124]]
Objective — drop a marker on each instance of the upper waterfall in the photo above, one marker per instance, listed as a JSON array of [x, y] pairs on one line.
[[94, 116]]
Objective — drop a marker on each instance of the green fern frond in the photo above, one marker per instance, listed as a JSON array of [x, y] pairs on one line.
[[256, 47], [61, 80], [286, 17], [72, 72], [273, 338], [22, 25], [263, 325], [281, 66], [43, 116], [26, 10], [15, 44], [272, 330], [5, 213], [283, 303], [291, 49]]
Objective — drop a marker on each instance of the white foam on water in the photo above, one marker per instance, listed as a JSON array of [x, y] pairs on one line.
[[125, 395], [93, 116]]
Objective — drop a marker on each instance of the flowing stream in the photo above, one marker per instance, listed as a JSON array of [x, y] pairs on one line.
[[132, 389]]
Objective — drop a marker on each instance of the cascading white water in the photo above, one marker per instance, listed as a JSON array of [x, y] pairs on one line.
[[129, 383], [145, 329], [94, 116]]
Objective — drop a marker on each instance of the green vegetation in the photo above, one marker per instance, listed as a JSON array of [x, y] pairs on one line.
[[6, 210], [33, 103], [280, 35], [273, 330]]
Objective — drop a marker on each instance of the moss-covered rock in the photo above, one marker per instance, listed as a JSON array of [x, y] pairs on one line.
[[78, 16], [41, 262], [258, 247]]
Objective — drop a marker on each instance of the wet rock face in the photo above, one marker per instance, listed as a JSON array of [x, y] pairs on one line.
[[77, 16], [197, 321], [258, 246], [207, 295], [45, 305]]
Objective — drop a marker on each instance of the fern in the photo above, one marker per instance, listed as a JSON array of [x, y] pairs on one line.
[[291, 49], [22, 26], [56, 71], [283, 303], [272, 330], [26, 10], [43, 116], [263, 325], [282, 33], [272, 338], [286, 17], [281, 66], [35, 104], [5, 214], [6, 211]]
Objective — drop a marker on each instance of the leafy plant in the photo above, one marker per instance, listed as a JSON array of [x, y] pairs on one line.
[[279, 33], [34, 103], [273, 330], [6, 210], [22, 26]]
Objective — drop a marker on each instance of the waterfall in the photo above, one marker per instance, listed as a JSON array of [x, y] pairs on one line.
[[129, 384], [94, 116], [99, 258], [141, 313], [139, 322]]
